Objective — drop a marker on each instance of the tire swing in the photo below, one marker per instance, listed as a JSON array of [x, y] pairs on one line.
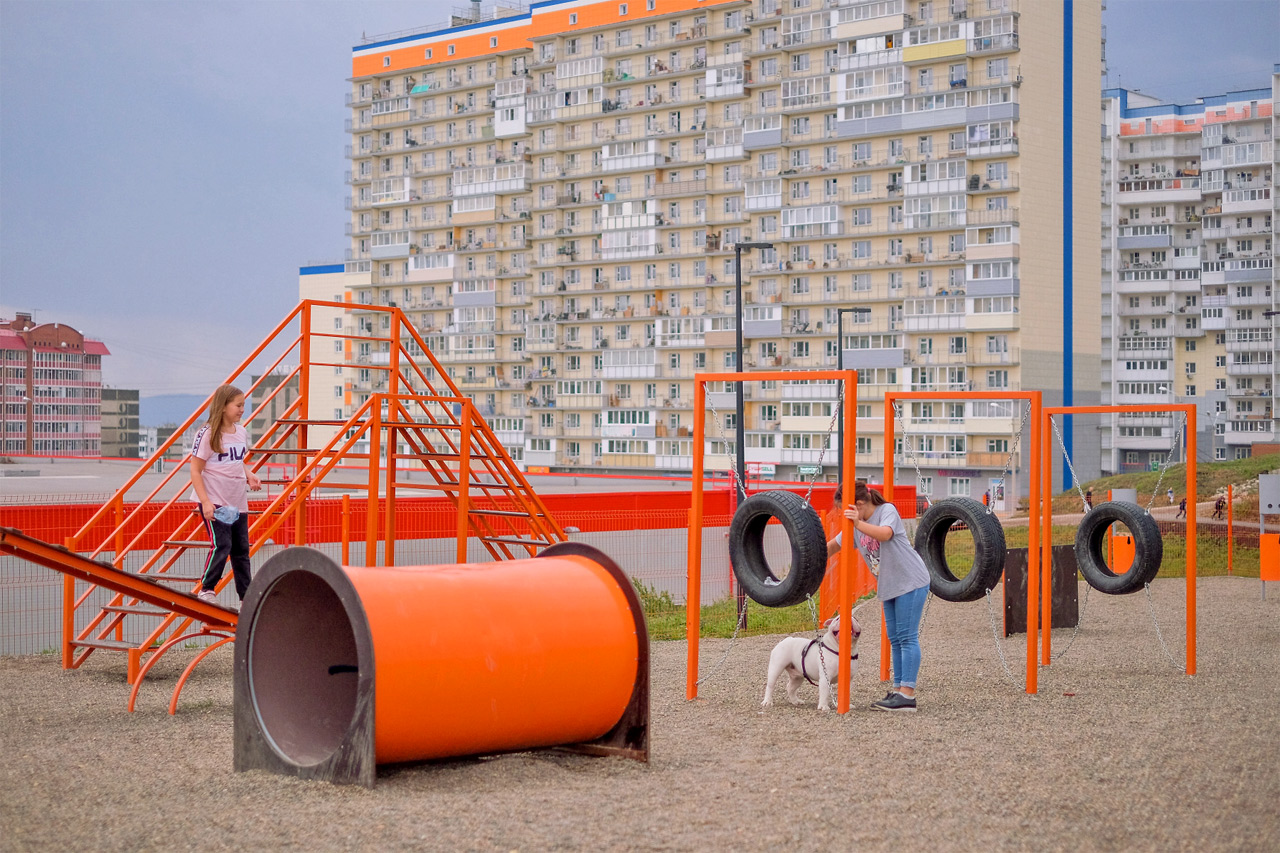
[[1148, 547], [808, 548], [988, 548]]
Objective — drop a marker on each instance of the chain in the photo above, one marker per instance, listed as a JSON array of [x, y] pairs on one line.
[[1177, 442], [1146, 587], [911, 452], [1008, 466], [995, 635], [715, 418], [1079, 621], [1075, 481], [742, 620], [826, 444]]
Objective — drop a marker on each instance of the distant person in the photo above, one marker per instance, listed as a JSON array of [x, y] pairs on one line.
[[986, 498], [1182, 509], [1088, 500], [1218, 506], [1170, 494], [221, 482]]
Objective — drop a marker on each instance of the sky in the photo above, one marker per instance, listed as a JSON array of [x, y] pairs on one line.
[[166, 167]]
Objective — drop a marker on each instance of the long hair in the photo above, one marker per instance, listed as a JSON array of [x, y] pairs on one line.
[[861, 493], [213, 427]]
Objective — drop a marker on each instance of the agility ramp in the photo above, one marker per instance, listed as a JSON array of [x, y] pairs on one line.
[[416, 420]]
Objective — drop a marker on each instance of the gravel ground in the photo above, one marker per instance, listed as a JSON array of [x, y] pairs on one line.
[[1119, 751]]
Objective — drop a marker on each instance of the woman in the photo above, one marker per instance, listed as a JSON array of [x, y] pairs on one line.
[[902, 588]]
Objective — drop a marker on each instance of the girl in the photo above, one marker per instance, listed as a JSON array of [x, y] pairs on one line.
[[902, 588], [219, 477]]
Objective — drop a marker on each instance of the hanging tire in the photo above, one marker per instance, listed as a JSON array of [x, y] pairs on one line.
[[1091, 537], [988, 547], [808, 548]]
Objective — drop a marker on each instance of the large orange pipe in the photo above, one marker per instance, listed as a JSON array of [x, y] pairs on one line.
[[442, 660]]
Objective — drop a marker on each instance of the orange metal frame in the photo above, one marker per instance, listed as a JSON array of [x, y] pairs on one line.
[[1046, 492], [844, 583], [1034, 400], [444, 434]]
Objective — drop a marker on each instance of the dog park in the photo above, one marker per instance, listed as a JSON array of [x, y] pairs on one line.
[[478, 670]]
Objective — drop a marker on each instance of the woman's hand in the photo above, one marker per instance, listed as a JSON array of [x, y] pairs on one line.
[[206, 509], [255, 483], [852, 514]]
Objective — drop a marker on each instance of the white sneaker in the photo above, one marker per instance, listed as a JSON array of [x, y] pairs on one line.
[[208, 595]]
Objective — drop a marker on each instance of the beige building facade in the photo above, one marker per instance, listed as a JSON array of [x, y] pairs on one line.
[[553, 197], [1189, 291]]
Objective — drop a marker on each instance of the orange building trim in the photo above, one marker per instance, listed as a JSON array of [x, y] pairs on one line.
[[473, 41]]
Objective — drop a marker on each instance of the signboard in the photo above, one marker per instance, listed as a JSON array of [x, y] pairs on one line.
[[538, 469], [809, 470], [761, 469]]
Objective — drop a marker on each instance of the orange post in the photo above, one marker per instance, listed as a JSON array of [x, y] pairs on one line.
[[68, 620], [346, 530], [464, 481], [371, 511], [693, 593], [844, 584], [1046, 531], [1191, 539]]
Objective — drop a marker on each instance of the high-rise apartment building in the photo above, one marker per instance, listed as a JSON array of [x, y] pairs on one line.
[[50, 389], [553, 196], [120, 407], [1188, 271]]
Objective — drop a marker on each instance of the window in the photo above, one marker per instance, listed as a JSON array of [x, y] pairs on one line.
[[958, 487], [573, 18], [622, 8]]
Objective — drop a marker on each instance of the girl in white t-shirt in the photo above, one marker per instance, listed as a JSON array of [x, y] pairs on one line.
[[221, 481]]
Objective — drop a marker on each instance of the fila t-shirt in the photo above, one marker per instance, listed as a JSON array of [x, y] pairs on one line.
[[224, 473]]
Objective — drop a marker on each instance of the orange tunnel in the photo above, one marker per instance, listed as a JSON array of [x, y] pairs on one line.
[[340, 669]]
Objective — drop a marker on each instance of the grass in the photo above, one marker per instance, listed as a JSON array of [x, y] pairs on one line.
[[1211, 479]]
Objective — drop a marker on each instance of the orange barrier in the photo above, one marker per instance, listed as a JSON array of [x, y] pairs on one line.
[[340, 669]]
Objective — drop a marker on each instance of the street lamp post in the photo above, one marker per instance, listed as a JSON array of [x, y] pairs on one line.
[[840, 312], [740, 431]]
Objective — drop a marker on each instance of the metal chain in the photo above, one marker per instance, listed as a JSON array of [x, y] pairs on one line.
[[715, 419], [1067, 455], [742, 620], [835, 415], [911, 453], [1146, 587], [1008, 465], [1177, 441], [1079, 621], [991, 616]]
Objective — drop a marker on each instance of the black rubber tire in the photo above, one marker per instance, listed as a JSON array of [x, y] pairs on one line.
[[988, 545], [808, 548], [1148, 547]]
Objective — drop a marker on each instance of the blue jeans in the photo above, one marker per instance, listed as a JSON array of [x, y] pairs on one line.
[[902, 623]]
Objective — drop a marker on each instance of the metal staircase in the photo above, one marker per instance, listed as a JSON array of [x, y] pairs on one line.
[[420, 423]]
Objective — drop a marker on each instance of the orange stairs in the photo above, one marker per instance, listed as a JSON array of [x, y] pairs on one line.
[[417, 424]]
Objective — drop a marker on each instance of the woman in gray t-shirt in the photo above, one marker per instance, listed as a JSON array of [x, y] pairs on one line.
[[902, 587]]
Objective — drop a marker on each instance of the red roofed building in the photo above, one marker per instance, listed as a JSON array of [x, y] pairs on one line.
[[50, 389]]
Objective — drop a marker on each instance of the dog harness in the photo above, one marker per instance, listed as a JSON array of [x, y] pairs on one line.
[[804, 670]]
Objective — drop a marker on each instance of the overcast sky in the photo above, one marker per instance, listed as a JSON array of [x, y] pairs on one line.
[[166, 167]]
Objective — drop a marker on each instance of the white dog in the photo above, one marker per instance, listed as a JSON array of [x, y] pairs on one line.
[[815, 661]]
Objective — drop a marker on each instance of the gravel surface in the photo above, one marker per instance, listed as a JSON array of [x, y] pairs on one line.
[[1119, 751]]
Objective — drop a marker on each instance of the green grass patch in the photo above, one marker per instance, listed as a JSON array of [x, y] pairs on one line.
[[1211, 479]]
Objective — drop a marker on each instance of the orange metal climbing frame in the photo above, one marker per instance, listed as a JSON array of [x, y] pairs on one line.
[[417, 420]]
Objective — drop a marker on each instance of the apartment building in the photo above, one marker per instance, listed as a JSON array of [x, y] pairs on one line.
[[119, 410], [50, 389], [553, 196], [1188, 271]]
